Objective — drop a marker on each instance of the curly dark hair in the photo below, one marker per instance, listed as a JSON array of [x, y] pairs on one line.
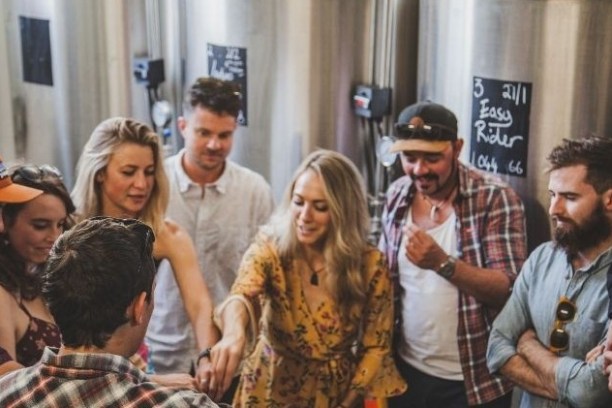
[[591, 151], [13, 276], [216, 95]]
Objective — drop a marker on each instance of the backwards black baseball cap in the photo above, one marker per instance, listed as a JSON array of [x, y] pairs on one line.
[[425, 127]]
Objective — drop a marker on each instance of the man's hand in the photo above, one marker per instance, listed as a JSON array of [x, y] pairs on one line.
[[422, 250], [174, 380], [608, 357], [608, 347], [595, 352], [526, 340]]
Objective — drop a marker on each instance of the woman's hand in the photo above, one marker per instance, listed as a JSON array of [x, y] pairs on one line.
[[204, 374], [225, 357]]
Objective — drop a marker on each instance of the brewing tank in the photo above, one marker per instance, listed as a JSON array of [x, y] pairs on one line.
[[521, 75], [66, 65], [298, 63]]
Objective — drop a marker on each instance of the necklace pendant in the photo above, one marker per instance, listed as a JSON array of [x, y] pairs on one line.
[[432, 212], [314, 279]]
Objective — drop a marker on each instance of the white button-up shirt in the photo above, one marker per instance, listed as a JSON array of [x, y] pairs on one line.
[[222, 219]]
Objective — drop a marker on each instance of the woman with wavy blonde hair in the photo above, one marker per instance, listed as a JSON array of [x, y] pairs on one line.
[[120, 173], [321, 296]]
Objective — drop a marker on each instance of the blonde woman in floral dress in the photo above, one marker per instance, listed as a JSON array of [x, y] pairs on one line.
[[318, 294]]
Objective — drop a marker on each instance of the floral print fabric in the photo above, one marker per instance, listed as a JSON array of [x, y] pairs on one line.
[[304, 357]]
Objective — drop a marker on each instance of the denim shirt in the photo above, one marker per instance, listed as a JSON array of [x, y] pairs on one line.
[[546, 276]]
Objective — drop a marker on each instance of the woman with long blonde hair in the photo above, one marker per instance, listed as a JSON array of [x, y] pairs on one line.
[[321, 296], [120, 173]]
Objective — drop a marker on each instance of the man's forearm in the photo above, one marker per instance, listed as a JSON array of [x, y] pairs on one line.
[[519, 371], [491, 287], [533, 367]]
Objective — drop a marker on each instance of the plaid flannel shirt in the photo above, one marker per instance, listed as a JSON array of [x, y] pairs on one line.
[[90, 380], [491, 233]]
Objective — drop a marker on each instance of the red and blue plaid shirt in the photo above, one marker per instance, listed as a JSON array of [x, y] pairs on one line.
[[491, 232], [90, 380]]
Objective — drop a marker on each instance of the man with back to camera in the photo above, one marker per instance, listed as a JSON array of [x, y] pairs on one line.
[[220, 203], [454, 238], [98, 285], [558, 310]]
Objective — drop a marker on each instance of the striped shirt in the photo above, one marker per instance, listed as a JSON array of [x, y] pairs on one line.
[[90, 380], [491, 233]]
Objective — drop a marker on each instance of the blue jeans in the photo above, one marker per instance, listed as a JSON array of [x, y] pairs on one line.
[[426, 391]]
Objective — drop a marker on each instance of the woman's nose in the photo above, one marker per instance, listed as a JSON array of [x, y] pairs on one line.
[[140, 180], [54, 233], [306, 213]]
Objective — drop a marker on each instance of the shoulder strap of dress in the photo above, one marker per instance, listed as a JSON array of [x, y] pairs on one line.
[[25, 309]]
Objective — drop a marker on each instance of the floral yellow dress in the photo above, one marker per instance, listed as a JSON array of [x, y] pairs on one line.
[[303, 357]]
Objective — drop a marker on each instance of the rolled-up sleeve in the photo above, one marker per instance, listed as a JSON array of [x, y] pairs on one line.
[[511, 322], [580, 384]]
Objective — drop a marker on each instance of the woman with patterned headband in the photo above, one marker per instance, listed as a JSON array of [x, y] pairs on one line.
[[36, 209]]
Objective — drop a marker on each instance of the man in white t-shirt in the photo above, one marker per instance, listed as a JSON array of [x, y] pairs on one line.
[[219, 202], [454, 239]]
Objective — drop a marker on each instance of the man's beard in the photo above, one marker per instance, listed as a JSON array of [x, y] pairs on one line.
[[574, 238], [435, 179]]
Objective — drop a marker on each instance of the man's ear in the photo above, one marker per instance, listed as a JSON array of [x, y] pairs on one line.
[[181, 123], [607, 199], [138, 309], [458, 145]]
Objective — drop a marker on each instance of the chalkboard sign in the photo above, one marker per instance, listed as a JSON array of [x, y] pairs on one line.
[[500, 126], [36, 51], [230, 64]]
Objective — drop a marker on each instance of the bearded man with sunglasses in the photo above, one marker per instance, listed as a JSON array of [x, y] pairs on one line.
[[558, 311], [454, 239]]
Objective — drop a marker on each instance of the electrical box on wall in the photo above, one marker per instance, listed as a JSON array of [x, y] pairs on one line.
[[372, 102], [149, 72]]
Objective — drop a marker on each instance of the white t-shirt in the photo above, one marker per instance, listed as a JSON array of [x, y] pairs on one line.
[[429, 310]]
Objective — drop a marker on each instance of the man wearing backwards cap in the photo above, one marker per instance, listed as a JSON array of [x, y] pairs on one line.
[[454, 239], [14, 193]]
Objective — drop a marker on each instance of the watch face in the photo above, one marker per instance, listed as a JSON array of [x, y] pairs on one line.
[[448, 268]]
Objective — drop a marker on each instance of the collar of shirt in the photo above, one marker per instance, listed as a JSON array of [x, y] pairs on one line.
[[603, 261], [81, 365], [185, 182]]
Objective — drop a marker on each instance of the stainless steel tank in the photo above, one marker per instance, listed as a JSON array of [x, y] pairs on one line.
[[302, 60], [86, 48], [559, 52]]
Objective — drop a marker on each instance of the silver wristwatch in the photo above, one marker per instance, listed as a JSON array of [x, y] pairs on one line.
[[447, 268]]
